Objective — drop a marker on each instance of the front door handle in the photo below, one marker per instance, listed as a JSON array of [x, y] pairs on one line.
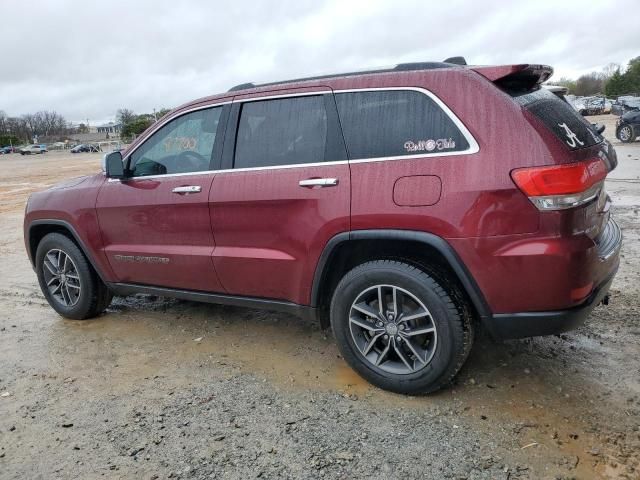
[[318, 182], [187, 189]]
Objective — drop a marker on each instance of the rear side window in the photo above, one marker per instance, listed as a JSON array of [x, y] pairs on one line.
[[559, 117], [280, 132], [390, 123]]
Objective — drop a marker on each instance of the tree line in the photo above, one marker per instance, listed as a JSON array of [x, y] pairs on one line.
[[50, 124], [612, 81], [16, 130]]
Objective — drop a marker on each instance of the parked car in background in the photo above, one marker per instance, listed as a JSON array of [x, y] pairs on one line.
[[33, 149], [85, 148], [381, 203], [577, 103], [591, 106], [625, 104], [628, 127], [5, 150], [561, 93]]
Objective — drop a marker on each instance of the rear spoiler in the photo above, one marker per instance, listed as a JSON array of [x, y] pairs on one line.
[[516, 78]]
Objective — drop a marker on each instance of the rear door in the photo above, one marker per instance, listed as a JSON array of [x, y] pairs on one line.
[[155, 225], [284, 193]]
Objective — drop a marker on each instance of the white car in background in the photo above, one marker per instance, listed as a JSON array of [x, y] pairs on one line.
[[33, 149]]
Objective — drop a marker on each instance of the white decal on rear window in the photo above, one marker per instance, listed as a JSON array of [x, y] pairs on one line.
[[572, 138], [429, 145]]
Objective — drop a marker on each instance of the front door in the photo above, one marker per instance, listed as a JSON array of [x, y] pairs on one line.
[[284, 194], [155, 224]]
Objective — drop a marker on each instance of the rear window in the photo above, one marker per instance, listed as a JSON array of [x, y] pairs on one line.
[[559, 117], [281, 132], [391, 123]]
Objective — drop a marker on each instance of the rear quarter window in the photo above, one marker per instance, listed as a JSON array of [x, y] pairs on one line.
[[561, 118], [395, 123]]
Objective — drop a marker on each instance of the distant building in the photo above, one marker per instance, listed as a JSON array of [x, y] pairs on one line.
[[111, 128]]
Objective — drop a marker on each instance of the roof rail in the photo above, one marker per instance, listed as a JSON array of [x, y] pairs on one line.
[[400, 67]]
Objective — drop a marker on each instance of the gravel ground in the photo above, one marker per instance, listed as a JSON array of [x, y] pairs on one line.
[[160, 388]]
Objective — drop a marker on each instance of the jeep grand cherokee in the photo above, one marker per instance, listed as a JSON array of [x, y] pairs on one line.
[[404, 207]]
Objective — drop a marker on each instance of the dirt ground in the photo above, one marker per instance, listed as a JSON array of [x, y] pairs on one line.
[[159, 388]]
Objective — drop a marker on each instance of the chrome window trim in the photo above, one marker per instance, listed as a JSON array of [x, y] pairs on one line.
[[232, 170], [279, 167], [473, 144]]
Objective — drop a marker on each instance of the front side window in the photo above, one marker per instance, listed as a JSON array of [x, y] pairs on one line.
[[280, 132], [391, 123], [183, 145]]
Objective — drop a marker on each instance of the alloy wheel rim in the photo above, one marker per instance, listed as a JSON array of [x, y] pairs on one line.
[[61, 277], [392, 329], [625, 133]]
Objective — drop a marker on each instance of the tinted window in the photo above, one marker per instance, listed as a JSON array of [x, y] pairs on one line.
[[394, 123], [281, 132], [560, 117], [183, 145]]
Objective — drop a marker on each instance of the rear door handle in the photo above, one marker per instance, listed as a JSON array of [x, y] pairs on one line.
[[187, 189], [318, 182]]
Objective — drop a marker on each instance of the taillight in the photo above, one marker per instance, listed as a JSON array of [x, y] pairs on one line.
[[558, 187]]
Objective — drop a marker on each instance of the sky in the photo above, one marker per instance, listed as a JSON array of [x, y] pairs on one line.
[[87, 59]]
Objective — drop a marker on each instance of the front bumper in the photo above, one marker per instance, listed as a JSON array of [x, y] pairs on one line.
[[532, 324]]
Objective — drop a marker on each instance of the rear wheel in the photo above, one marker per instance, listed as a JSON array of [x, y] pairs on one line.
[[625, 134], [399, 328], [68, 281]]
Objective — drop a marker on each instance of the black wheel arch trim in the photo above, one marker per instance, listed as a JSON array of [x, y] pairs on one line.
[[441, 245], [72, 231]]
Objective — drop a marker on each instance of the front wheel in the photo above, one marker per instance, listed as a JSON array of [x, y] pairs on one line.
[[399, 328], [625, 134], [68, 281]]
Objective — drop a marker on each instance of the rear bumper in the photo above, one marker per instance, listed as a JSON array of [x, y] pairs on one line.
[[531, 324], [542, 272]]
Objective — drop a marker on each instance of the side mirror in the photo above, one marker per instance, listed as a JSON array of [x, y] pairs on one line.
[[112, 165], [599, 128]]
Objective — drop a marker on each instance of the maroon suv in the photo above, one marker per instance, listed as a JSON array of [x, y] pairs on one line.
[[405, 207]]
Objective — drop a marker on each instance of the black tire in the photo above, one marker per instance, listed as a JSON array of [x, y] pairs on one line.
[[94, 296], [626, 134], [451, 320]]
